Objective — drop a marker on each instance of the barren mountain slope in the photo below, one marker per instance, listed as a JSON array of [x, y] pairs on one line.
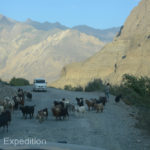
[[128, 53], [30, 53]]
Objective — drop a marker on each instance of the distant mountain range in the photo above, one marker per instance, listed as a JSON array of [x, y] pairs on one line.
[[31, 49], [106, 35], [46, 25], [128, 53]]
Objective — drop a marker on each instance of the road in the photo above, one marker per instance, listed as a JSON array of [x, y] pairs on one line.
[[113, 129]]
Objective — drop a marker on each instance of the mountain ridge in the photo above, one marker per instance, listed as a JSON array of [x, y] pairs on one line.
[[29, 53]]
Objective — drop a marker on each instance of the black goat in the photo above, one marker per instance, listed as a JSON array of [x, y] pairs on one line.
[[28, 95], [5, 118], [117, 98], [102, 100], [59, 103], [80, 101], [27, 110]]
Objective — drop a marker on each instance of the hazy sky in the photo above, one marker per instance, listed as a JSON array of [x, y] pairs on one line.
[[95, 13]]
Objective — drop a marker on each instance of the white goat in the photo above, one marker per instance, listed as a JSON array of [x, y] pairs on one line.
[[80, 110], [8, 103]]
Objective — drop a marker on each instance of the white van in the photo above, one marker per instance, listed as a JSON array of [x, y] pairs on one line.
[[39, 84]]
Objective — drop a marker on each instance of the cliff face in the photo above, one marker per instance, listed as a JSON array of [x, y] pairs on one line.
[[128, 53]]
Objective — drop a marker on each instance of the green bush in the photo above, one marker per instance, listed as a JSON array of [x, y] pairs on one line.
[[68, 87], [130, 97], [19, 82], [95, 85], [136, 91], [79, 88], [140, 85]]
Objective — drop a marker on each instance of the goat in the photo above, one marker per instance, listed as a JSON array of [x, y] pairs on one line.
[[42, 114], [80, 101], [66, 102], [1, 109], [90, 104], [117, 98], [28, 95], [27, 110], [8, 103], [99, 107], [59, 103], [59, 112], [5, 118], [102, 100], [80, 109], [71, 107]]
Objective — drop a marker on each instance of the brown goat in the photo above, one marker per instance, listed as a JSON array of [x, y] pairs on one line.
[[99, 107], [90, 104]]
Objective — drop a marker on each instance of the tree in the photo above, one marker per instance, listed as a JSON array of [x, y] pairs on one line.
[[19, 82]]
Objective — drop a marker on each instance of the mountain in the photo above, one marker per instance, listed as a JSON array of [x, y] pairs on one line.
[[106, 35], [28, 52], [128, 53], [46, 25], [6, 21]]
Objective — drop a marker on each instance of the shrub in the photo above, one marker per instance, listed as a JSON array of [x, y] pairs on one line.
[[19, 82], [79, 88], [140, 85], [68, 87], [94, 85], [136, 91]]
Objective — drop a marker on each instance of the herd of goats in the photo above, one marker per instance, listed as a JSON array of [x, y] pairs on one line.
[[60, 109]]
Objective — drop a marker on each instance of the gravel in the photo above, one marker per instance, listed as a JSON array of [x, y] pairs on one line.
[[113, 129]]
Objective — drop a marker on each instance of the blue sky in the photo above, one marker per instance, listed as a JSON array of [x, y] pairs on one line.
[[99, 14]]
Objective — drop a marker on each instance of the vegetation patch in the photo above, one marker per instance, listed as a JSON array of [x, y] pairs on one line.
[[70, 88], [19, 82], [95, 85], [136, 92]]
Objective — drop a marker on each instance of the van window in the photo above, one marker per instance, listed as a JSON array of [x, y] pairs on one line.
[[39, 81]]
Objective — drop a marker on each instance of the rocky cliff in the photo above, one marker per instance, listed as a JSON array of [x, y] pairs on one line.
[[128, 53]]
